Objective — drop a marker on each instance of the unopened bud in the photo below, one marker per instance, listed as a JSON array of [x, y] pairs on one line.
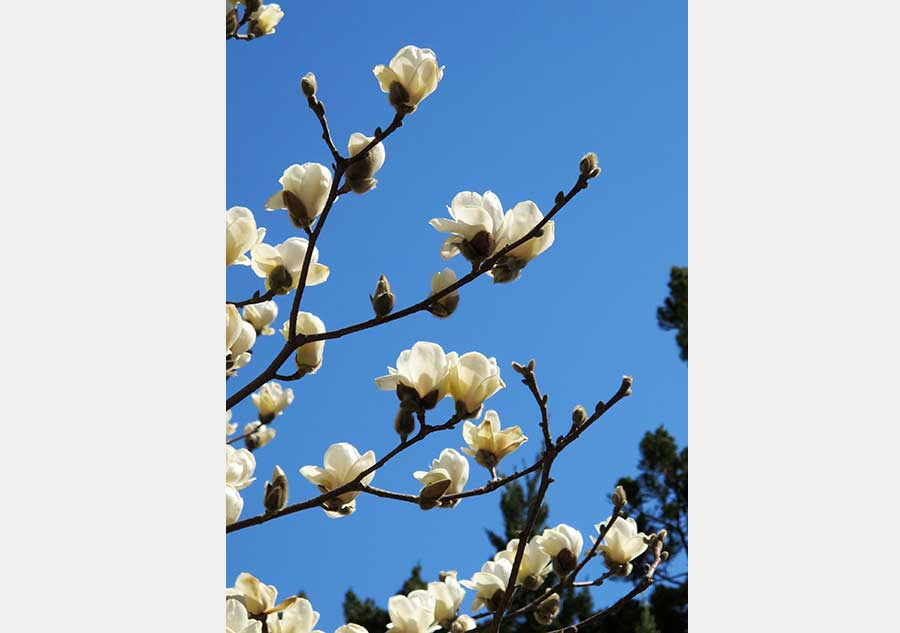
[[588, 166], [308, 85], [404, 423], [619, 498], [519, 369], [664, 555], [383, 300], [446, 305], [579, 416], [276, 493], [662, 534], [279, 280], [628, 381], [547, 610]]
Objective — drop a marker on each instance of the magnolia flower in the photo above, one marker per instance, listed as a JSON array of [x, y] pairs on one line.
[[240, 235], [476, 226], [535, 563], [299, 617], [281, 265], [446, 305], [261, 315], [239, 338], [304, 191], [489, 583], [517, 223], [448, 596], [351, 628], [622, 543], [360, 174], [413, 614], [563, 544], [342, 464], [229, 427], [257, 597], [265, 19], [548, 609], [239, 467], [258, 435], [448, 475], [422, 376], [271, 400], [237, 620], [412, 75], [473, 379], [487, 443], [308, 355], [462, 624]]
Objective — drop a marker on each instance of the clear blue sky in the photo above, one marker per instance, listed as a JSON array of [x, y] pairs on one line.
[[527, 89]]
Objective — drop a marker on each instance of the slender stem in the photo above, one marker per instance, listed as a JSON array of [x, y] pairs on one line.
[[318, 109], [257, 298]]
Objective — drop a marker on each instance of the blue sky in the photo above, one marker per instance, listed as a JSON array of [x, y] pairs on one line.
[[527, 90]]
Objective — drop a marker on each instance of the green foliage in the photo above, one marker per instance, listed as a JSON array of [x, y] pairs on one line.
[[673, 314], [368, 614]]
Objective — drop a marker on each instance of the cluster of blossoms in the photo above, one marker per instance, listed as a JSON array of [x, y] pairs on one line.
[[239, 467], [262, 20]]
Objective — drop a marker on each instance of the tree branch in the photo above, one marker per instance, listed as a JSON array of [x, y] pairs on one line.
[[256, 298]]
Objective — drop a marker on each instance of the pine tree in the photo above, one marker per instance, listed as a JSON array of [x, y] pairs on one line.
[[673, 314]]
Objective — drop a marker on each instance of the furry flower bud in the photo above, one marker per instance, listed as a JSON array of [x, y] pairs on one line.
[[276, 493], [308, 85], [547, 610], [588, 166], [383, 300], [579, 416]]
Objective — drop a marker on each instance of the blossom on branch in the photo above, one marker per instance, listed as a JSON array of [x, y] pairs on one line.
[[359, 175], [446, 305], [309, 355], [239, 467], [239, 338], [490, 584], [257, 597], [487, 443], [517, 223], [281, 265], [622, 543], [258, 435], [448, 476], [304, 192], [271, 400], [412, 75], [448, 595], [475, 228], [237, 620], [342, 465], [240, 235], [563, 544], [265, 19], [412, 614], [535, 563], [261, 315], [422, 376], [473, 379], [299, 617], [229, 427]]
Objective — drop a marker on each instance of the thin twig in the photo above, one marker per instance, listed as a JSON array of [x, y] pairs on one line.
[[256, 298]]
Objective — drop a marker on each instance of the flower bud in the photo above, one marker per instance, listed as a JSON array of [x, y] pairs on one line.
[[588, 166], [619, 498], [446, 305], [404, 423], [383, 301], [258, 435], [662, 534], [265, 19], [462, 624], [279, 280], [308, 85], [664, 555], [547, 610], [579, 416], [628, 380], [276, 493]]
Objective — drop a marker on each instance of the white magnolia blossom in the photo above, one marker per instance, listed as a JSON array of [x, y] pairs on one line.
[[297, 618], [261, 315], [229, 427], [450, 467], [237, 619], [265, 19], [462, 624], [304, 192], [257, 597], [239, 338], [351, 628], [517, 223], [239, 467], [424, 369], [448, 596], [475, 228], [258, 434], [308, 355], [622, 543], [487, 443], [535, 563], [342, 464], [446, 305], [360, 175], [563, 544], [240, 235], [473, 379], [412, 75], [412, 614], [287, 259], [493, 577], [271, 400]]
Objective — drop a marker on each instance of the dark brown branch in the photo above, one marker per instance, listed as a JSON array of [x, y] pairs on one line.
[[318, 109], [256, 298]]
